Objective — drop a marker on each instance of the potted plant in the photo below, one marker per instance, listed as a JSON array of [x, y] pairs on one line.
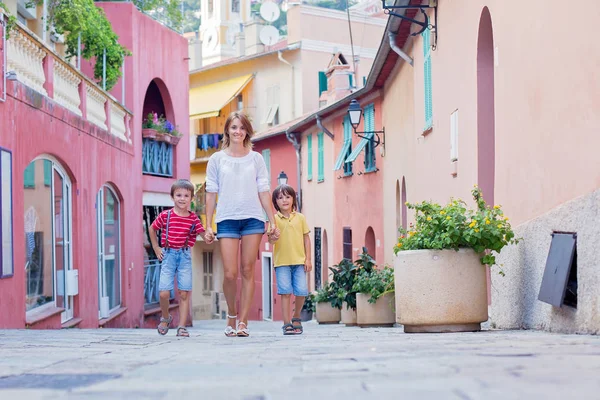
[[149, 126], [375, 297], [170, 133], [327, 305], [441, 283], [343, 277], [308, 308]]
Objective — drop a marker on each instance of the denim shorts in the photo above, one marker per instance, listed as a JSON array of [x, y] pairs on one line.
[[176, 262], [236, 228], [291, 278]]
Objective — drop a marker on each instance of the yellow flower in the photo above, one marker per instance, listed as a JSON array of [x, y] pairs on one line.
[[399, 245], [506, 218], [406, 203], [428, 218], [499, 225], [442, 212], [448, 217], [472, 224], [496, 207], [487, 221], [476, 230]]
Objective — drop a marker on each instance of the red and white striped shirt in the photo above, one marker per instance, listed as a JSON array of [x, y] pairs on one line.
[[180, 229]]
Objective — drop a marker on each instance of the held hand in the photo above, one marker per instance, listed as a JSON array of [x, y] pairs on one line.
[[209, 235], [307, 266], [159, 253], [275, 234]]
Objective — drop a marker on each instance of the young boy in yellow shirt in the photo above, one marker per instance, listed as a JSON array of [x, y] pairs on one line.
[[291, 257]]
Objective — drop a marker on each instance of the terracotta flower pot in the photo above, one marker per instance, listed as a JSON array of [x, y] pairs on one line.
[[381, 313], [149, 133], [175, 139], [440, 290], [348, 315], [327, 314]]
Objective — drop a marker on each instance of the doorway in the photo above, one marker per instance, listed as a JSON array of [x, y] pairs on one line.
[[109, 251], [267, 286]]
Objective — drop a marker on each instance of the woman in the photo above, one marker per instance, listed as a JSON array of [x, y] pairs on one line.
[[239, 176]]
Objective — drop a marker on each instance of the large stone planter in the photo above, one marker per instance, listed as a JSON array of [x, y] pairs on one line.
[[348, 315], [381, 313], [440, 290], [327, 314]]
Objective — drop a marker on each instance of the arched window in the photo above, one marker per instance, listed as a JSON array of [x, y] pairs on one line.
[[370, 242], [109, 250], [48, 225]]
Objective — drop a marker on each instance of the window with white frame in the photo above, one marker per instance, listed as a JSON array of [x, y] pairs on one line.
[[207, 269], [6, 215]]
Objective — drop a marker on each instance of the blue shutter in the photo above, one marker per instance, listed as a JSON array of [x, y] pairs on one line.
[[310, 158], [320, 158], [427, 79], [348, 139], [47, 172], [29, 175], [370, 147]]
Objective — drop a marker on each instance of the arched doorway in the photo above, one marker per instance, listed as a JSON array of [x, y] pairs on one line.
[[325, 258], [485, 107], [486, 135], [108, 216], [48, 225], [370, 242]]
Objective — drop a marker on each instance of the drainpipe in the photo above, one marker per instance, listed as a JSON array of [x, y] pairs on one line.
[[294, 141], [322, 127], [398, 50], [280, 57]]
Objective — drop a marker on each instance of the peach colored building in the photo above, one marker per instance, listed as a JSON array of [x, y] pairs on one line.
[[487, 101]]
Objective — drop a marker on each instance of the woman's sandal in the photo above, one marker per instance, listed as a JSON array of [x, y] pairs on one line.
[[297, 328], [164, 329], [288, 329], [181, 331], [229, 331], [243, 332]]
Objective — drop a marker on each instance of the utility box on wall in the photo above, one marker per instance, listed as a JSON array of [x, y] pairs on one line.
[[72, 282]]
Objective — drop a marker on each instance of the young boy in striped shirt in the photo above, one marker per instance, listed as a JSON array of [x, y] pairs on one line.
[[179, 227]]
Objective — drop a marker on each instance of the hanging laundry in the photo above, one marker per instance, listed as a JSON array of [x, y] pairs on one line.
[[215, 140], [199, 142], [205, 142]]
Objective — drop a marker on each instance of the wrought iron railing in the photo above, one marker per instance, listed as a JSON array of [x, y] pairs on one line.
[[157, 158], [151, 280]]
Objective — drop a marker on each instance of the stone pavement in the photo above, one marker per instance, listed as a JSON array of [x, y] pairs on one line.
[[326, 362]]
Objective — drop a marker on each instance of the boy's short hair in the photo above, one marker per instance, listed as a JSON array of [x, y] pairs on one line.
[[284, 189], [182, 184]]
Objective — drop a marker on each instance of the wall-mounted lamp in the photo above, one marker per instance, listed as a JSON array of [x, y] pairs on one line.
[[282, 179], [425, 24], [354, 115]]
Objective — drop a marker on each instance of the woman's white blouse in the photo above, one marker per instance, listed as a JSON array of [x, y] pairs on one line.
[[237, 180]]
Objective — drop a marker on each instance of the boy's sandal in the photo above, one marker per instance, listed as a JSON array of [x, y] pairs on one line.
[[229, 331], [165, 328], [297, 328], [288, 329], [243, 332], [181, 331]]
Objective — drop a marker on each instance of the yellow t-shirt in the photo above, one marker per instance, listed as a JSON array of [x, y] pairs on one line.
[[289, 248]]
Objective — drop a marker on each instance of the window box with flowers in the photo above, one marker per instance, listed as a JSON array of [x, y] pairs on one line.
[[160, 129], [439, 269]]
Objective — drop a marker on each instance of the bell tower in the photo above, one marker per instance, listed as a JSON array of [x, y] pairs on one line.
[[221, 28]]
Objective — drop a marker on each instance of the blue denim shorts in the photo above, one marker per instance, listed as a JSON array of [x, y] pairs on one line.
[[236, 228], [176, 262], [291, 278]]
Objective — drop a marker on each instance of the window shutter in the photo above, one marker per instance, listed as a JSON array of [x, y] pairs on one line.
[[427, 78], [310, 158], [29, 175], [322, 82], [47, 172], [320, 158]]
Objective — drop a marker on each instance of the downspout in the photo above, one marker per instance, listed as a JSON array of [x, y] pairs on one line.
[[280, 57], [398, 50], [322, 127], [294, 141]]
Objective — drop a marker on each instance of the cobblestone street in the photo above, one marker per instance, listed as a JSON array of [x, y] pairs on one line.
[[327, 362]]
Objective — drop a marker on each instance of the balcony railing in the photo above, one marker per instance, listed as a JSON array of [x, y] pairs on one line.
[[157, 158], [151, 280], [34, 64]]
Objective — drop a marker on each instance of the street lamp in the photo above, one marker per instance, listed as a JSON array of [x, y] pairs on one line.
[[282, 178], [354, 114]]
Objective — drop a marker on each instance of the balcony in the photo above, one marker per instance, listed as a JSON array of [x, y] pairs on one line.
[[157, 158], [31, 62]]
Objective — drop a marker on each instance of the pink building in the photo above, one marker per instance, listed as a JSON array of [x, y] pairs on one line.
[[82, 175]]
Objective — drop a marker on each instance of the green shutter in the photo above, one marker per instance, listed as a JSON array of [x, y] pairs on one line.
[[310, 159], [370, 147], [348, 139], [47, 172], [29, 175], [320, 158], [266, 153], [322, 82], [427, 79], [351, 80]]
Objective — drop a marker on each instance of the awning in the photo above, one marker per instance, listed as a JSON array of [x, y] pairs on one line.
[[208, 100]]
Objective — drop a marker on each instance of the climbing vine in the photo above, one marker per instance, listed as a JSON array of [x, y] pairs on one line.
[[11, 20]]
